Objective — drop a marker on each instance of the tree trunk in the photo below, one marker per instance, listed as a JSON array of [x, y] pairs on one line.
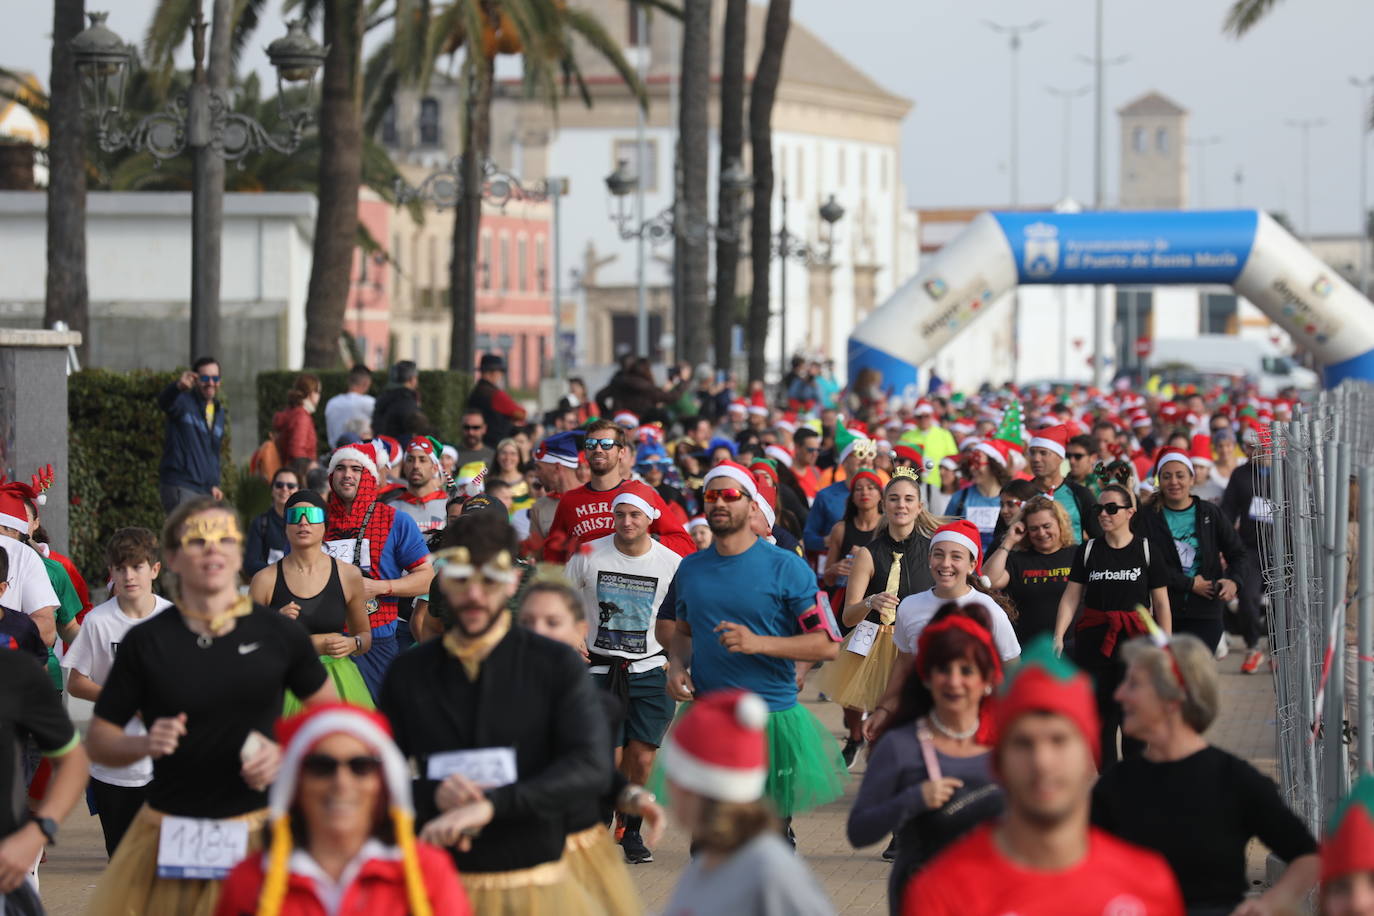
[[728, 204], [468, 215], [761, 98], [67, 297], [694, 129], [341, 167]]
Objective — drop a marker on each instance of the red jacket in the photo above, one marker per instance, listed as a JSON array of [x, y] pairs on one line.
[[379, 889], [294, 431]]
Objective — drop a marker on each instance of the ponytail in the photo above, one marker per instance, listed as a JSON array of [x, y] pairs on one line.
[[1006, 604]]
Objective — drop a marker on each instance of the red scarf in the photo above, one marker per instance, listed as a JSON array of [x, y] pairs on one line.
[[345, 521]]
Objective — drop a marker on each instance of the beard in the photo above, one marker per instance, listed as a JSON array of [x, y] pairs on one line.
[[456, 615], [729, 525]]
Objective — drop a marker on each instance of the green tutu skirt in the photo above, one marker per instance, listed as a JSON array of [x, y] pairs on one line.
[[348, 684], [805, 769]]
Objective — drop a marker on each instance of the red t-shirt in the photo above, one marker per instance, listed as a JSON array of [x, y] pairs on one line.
[[585, 514], [973, 878]]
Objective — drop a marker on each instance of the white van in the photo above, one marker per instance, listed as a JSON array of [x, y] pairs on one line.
[[1225, 354]]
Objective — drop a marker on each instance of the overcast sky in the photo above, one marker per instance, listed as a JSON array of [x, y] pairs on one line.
[[938, 53]]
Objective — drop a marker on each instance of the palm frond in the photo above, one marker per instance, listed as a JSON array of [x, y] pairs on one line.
[[663, 6], [36, 101], [246, 17], [1245, 15], [169, 27], [590, 28]]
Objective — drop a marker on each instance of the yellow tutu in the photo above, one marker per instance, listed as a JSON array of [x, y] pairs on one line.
[[544, 890], [130, 886], [597, 864], [859, 681]]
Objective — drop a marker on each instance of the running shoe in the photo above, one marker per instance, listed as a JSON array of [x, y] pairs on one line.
[[1253, 659], [1223, 647], [636, 853], [850, 751], [890, 853]]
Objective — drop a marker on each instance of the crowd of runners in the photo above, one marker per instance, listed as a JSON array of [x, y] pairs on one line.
[[475, 670]]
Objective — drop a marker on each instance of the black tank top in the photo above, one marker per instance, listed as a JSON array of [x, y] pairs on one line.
[[853, 538], [915, 575], [326, 612]]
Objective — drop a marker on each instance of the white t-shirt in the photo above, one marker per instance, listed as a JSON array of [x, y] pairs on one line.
[[620, 597], [93, 654], [341, 408], [915, 612], [29, 585]]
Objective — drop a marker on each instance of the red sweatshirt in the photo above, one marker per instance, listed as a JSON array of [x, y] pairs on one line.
[[585, 514]]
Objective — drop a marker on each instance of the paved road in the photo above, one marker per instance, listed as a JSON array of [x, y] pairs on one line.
[[856, 880]]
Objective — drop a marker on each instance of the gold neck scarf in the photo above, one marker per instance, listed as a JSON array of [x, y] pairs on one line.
[[218, 623], [472, 652], [894, 582]]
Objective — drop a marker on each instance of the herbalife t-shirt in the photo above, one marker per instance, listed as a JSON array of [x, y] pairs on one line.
[[1117, 579], [620, 597], [93, 654]]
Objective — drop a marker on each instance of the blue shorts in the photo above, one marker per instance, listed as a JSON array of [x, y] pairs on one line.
[[650, 710]]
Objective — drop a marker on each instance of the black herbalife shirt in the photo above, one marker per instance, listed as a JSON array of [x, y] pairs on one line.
[[1037, 582], [29, 708], [1117, 579], [226, 690]]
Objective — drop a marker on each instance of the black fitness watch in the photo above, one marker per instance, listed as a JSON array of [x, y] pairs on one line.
[[48, 826]]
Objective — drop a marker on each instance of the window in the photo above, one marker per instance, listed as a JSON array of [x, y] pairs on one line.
[[1218, 313], [395, 264], [429, 121], [1138, 139], [1162, 141], [389, 127], [521, 264], [415, 347], [505, 264], [485, 266], [540, 265], [629, 151], [863, 169]]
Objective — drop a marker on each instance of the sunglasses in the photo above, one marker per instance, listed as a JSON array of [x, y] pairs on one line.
[[592, 445], [323, 766], [209, 379], [475, 428], [1109, 508], [1077, 456], [283, 485], [728, 494], [311, 515]]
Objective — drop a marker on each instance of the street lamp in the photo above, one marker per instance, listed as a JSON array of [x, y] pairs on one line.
[[200, 118], [1015, 31], [787, 246], [1305, 125]]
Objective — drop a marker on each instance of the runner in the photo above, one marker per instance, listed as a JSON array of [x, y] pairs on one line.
[[718, 765], [424, 497], [555, 461], [1193, 803], [267, 532], [895, 564], [385, 544], [863, 516], [1043, 858], [827, 509], [505, 731], [934, 441], [1111, 576], [207, 676], [322, 595], [929, 777], [980, 502], [342, 830], [584, 514], [1192, 535], [622, 580], [1046, 456], [746, 611], [1031, 565], [1348, 855], [1247, 507], [131, 560]]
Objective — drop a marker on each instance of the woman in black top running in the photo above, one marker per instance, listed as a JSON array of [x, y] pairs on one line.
[[323, 595]]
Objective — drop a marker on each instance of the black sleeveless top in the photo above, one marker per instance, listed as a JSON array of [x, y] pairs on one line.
[[326, 612], [915, 577], [853, 538]]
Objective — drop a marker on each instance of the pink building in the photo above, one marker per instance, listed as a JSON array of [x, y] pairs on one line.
[[367, 316]]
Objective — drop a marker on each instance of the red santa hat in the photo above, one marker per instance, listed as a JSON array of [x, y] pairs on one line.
[[1167, 455], [736, 472], [388, 452], [779, 453], [739, 405], [758, 410], [965, 534], [718, 749], [13, 513], [1202, 449], [996, 449], [768, 502], [697, 522], [1054, 438], [640, 495], [923, 408], [365, 453]]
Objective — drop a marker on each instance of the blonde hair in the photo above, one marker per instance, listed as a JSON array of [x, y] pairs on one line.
[[726, 826], [926, 521], [1048, 504], [1199, 694]]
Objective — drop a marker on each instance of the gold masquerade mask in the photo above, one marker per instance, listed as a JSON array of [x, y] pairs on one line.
[[211, 528]]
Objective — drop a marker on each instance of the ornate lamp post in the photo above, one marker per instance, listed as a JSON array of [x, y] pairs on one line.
[[786, 245], [202, 119]]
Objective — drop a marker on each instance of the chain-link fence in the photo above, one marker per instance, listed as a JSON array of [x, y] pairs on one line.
[[1319, 576]]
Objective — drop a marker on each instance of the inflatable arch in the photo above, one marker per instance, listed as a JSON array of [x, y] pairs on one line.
[[1246, 249]]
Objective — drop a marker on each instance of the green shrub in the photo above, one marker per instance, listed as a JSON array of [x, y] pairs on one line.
[[115, 445], [443, 393]]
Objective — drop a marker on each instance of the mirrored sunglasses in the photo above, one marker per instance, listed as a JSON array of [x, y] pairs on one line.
[[311, 515]]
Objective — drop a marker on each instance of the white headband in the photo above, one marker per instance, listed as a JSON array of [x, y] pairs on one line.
[[639, 502]]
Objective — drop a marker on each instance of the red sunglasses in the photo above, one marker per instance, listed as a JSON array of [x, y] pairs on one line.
[[729, 494]]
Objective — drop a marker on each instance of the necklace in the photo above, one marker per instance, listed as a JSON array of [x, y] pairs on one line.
[[217, 624], [948, 732]]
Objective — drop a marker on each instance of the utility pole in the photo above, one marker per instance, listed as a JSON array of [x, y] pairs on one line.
[[1015, 32], [1068, 97], [641, 149], [1364, 86], [1305, 125]]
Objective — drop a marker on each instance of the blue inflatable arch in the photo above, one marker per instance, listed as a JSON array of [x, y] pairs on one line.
[[1246, 249]]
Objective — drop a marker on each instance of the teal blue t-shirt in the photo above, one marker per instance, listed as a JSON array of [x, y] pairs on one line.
[[1183, 528], [767, 589], [1064, 496]]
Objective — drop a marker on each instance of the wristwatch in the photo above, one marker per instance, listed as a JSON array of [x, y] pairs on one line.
[[358, 645], [47, 825]]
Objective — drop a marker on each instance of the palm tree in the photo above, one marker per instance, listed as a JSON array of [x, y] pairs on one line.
[[1245, 14], [67, 296], [765, 90], [731, 149], [694, 133]]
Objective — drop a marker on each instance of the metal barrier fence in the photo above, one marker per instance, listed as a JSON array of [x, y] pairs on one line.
[[1321, 597]]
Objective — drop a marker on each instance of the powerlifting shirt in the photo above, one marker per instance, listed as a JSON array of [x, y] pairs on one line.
[[228, 689], [1037, 583]]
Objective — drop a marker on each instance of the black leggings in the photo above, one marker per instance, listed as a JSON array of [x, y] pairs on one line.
[[1107, 674], [116, 806], [1207, 629]]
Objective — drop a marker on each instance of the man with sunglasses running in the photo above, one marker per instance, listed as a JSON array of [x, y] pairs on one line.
[[584, 514], [195, 431]]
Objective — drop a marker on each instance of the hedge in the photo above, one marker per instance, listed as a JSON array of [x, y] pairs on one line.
[[115, 445], [443, 394]]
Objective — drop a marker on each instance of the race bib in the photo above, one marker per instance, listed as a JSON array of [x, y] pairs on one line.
[[200, 848], [342, 550], [489, 767], [1261, 510], [984, 518], [1187, 554], [861, 637]]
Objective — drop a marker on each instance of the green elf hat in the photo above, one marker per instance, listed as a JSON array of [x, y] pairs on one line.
[[1047, 683], [1349, 843], [1011, 430]]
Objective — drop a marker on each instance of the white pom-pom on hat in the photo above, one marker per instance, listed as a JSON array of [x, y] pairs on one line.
[[751, 711]]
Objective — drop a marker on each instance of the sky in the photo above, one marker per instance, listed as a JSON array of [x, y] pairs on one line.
[[1241, 94]]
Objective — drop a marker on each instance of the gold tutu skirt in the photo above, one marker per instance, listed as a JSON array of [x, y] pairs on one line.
[[544, 890], [597, 864], [130, 886], [859, 681]]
